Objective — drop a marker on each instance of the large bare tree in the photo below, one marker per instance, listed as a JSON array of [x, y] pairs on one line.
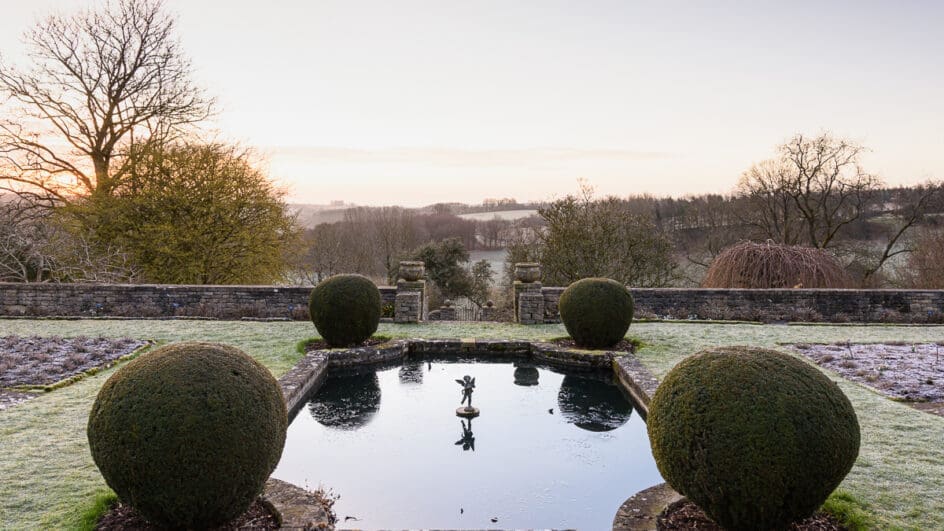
[[808, 194], [99, 80]]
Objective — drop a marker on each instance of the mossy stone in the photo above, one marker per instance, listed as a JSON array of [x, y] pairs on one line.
[[345, 309], [188, 434], [757, 438], [597, 312]]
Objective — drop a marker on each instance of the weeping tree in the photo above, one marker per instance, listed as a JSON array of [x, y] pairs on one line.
[[772, 265]]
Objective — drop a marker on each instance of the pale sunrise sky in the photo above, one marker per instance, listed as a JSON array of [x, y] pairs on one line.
[[415, 102]]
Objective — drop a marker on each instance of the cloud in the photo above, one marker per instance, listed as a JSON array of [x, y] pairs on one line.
[[446, 157]]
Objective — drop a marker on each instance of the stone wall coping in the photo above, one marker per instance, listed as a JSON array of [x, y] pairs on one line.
[[765, 290], [60, 285]]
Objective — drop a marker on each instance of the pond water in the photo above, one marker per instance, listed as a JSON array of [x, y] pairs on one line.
[[550, 449]]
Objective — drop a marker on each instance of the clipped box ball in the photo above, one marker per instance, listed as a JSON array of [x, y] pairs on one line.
[[756, 438], [188, 434], [596, 312], [345, 309]]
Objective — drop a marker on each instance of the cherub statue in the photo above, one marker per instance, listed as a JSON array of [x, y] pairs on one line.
[[468, 384]]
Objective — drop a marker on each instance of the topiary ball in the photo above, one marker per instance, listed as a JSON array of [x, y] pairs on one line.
[[758, 439], [188, 434], [597, 312], [345, 309]]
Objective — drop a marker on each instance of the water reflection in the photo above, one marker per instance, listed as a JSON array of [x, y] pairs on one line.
[[411, 372], [526, 376], [593, 405], [346, 402], [468, 439]]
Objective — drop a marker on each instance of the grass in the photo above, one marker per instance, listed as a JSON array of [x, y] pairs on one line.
[[100, 504], [850, 511], [49, 480]]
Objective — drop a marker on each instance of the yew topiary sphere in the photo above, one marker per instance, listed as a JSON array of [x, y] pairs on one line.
[[188, 434], [758, 439], [597, 312], [345, 309]]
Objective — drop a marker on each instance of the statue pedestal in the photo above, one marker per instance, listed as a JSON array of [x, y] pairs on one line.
[[467, 412]]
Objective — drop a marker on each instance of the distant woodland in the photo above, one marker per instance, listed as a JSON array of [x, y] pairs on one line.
[[108, 175]]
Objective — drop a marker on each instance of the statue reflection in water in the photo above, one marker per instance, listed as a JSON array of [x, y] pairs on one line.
[[468, 438]]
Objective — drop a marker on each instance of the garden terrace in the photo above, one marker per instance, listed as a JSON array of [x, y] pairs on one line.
[[49, 477]]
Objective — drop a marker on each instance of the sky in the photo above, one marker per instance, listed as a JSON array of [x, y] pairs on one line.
[[420, 101]]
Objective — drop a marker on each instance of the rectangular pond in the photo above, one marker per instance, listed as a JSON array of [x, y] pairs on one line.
[[551, 449]]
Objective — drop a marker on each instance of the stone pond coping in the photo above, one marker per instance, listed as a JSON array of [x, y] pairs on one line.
[[297, 508], [640, 511], [308, 374]]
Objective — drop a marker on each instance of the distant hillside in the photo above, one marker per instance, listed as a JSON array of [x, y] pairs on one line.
[[311, 215]]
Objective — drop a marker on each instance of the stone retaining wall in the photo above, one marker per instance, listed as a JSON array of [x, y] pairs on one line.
[[147, 300], [773, 305], [235, 302]]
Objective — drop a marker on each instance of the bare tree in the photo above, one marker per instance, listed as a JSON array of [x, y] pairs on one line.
[[910, 208], [814, 189], [768, 188], [393, 233], [924, 263], [44, 248], [588, 237], [23, 256], [77, 256], [827, 184], [100, 79]]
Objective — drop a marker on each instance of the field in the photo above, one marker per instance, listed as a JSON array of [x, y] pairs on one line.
[[496, 258], [500, 214], [49, 478]]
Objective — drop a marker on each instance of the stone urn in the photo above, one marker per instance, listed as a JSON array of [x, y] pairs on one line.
[[412, 271], [527, 272]]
